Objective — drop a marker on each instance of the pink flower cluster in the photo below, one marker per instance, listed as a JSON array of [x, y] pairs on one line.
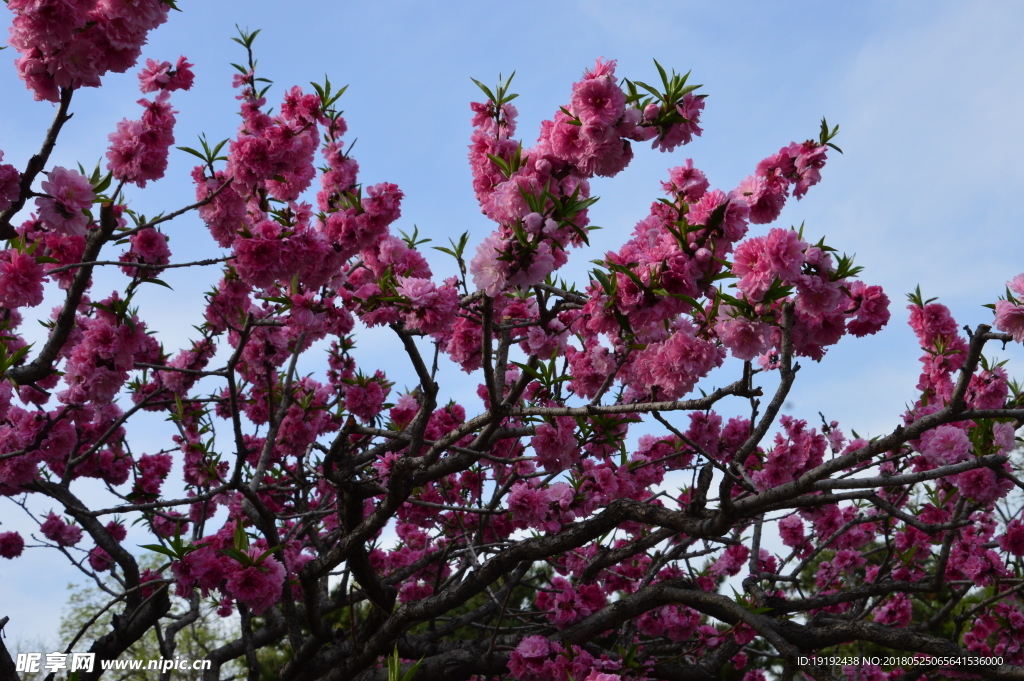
[[138, 150], [104, 351], [766, 190], [589, 136], [72, 43], [794, 453], [256, 583], [537, 659]]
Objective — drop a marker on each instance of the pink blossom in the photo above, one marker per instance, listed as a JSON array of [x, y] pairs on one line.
[[164, 76], [753, 266], [745, 338], [256, 586], [528, 505], [365, 401], [169, 524], [808, 159], [529, 661], [70, 195], [404, 410], [489, 273], [982, 484], [896, 611], [100, 560], [734, 219], [791, 529], [687, 182], [763, 197], [1016, 284], [149, 247], [21, 280], [10, 184], [931, 322], [784, 250], [731, 561], [683, 133], [541, 265], [555, 445], [116, 530], [872, 309], [1010, 318], [1012, 541], [675, 365], [465, 344], [11, 545], [56, 530], [945, 445], [598, 100]]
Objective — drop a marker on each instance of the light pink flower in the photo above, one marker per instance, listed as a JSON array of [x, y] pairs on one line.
[[489, 273], [763, 197], [1016, 284]]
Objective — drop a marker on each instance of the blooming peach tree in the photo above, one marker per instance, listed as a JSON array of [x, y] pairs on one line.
[[535, 531]]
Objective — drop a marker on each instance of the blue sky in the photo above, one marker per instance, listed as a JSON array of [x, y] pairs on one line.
[[927, 96]]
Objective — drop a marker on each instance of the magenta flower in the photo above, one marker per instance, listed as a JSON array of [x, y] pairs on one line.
[[10, 184], [11, 545], [100, 560], [256, 586], [1012, 541], [56, 530], [896, 611], [365, 401]]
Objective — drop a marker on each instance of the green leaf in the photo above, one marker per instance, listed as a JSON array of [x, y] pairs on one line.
[[487, 90], [156, 548], [159, 282]]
